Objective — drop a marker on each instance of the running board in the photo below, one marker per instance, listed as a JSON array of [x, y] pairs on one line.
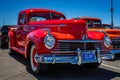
[[18, 50]]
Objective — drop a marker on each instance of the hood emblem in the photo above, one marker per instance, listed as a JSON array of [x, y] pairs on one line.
[[62, 25]]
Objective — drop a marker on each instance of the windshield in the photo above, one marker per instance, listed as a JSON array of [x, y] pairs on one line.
[[107, 26], [44, 16], [94, 24]]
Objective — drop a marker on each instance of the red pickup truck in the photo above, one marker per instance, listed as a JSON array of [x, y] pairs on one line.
[[45, 37]]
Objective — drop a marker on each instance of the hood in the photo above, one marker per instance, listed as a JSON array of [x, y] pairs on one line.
[[63, 36], [95, 35], [112, 33], [62, 29], [40, 34]]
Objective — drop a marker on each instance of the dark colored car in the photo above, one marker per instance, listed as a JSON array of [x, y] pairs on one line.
[[4, 36]]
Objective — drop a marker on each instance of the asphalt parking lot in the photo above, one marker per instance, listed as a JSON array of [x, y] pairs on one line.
[[16, 68]]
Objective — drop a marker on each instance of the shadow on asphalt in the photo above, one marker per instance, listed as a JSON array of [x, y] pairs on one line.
[[117, 57], [60, 72], [4, 48], [70, 72]]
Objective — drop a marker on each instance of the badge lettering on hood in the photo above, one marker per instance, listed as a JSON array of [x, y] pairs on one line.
[[62, 25]]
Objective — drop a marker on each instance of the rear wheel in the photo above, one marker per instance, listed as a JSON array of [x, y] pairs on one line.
[[38, 68], [1, 45]]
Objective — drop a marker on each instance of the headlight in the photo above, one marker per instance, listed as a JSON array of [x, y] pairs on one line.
[[107, 41], [49, 41]]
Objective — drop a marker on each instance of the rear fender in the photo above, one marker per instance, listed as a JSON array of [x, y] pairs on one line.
[[11, 37]]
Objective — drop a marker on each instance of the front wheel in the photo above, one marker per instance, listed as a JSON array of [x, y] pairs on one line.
[[95, 65], [38, 68], [92, 65]]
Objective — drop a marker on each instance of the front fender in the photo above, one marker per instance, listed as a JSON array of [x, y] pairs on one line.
[[37, 38], [95, 35]]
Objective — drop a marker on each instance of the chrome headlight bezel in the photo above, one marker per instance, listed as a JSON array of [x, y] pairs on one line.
[[49, 41], [107, 41]]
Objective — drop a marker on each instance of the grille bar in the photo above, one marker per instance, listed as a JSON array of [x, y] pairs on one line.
[[68, 45], [116, 44]]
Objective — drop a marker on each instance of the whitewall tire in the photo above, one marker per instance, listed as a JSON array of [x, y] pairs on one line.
[[37, 68]]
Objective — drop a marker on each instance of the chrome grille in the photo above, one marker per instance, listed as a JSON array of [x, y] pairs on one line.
[[116, 43], [72, 46]]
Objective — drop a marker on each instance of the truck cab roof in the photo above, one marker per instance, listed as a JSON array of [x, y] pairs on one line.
[[27, 11]]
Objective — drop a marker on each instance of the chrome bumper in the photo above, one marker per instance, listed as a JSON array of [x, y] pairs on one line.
[[106, 56], [114, 51], [66, 58]]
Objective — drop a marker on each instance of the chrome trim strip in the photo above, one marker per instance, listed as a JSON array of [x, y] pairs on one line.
[[49, 25], [79, 56], [98, 54], [70, 51], [62, 52], [82, 41], [63, 49], [114, 51], [115, 40], [54, 60], [106, 56]]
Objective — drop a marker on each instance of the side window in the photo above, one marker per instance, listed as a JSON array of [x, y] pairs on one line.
[[22, 19]]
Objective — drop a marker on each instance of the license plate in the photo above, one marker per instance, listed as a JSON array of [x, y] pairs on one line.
[[88, 56]]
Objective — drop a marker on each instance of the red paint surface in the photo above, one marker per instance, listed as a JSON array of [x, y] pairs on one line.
[[95, 35]]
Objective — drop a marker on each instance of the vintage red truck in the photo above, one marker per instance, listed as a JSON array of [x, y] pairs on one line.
[[45, 37], [95, 24]]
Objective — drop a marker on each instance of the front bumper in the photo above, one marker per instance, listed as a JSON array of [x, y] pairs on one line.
[[107, 56], [68, 58], [114, 52]]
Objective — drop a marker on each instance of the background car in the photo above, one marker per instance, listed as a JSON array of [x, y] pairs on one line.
[[107, 26], [4, 36]]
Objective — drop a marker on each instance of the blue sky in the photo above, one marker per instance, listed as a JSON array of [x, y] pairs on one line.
[[9, 9]]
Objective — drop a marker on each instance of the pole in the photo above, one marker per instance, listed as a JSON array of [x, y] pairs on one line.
[[3, 21], [112, 10]]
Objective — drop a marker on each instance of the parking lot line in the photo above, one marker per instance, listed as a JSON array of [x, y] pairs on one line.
[[110, 66]]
